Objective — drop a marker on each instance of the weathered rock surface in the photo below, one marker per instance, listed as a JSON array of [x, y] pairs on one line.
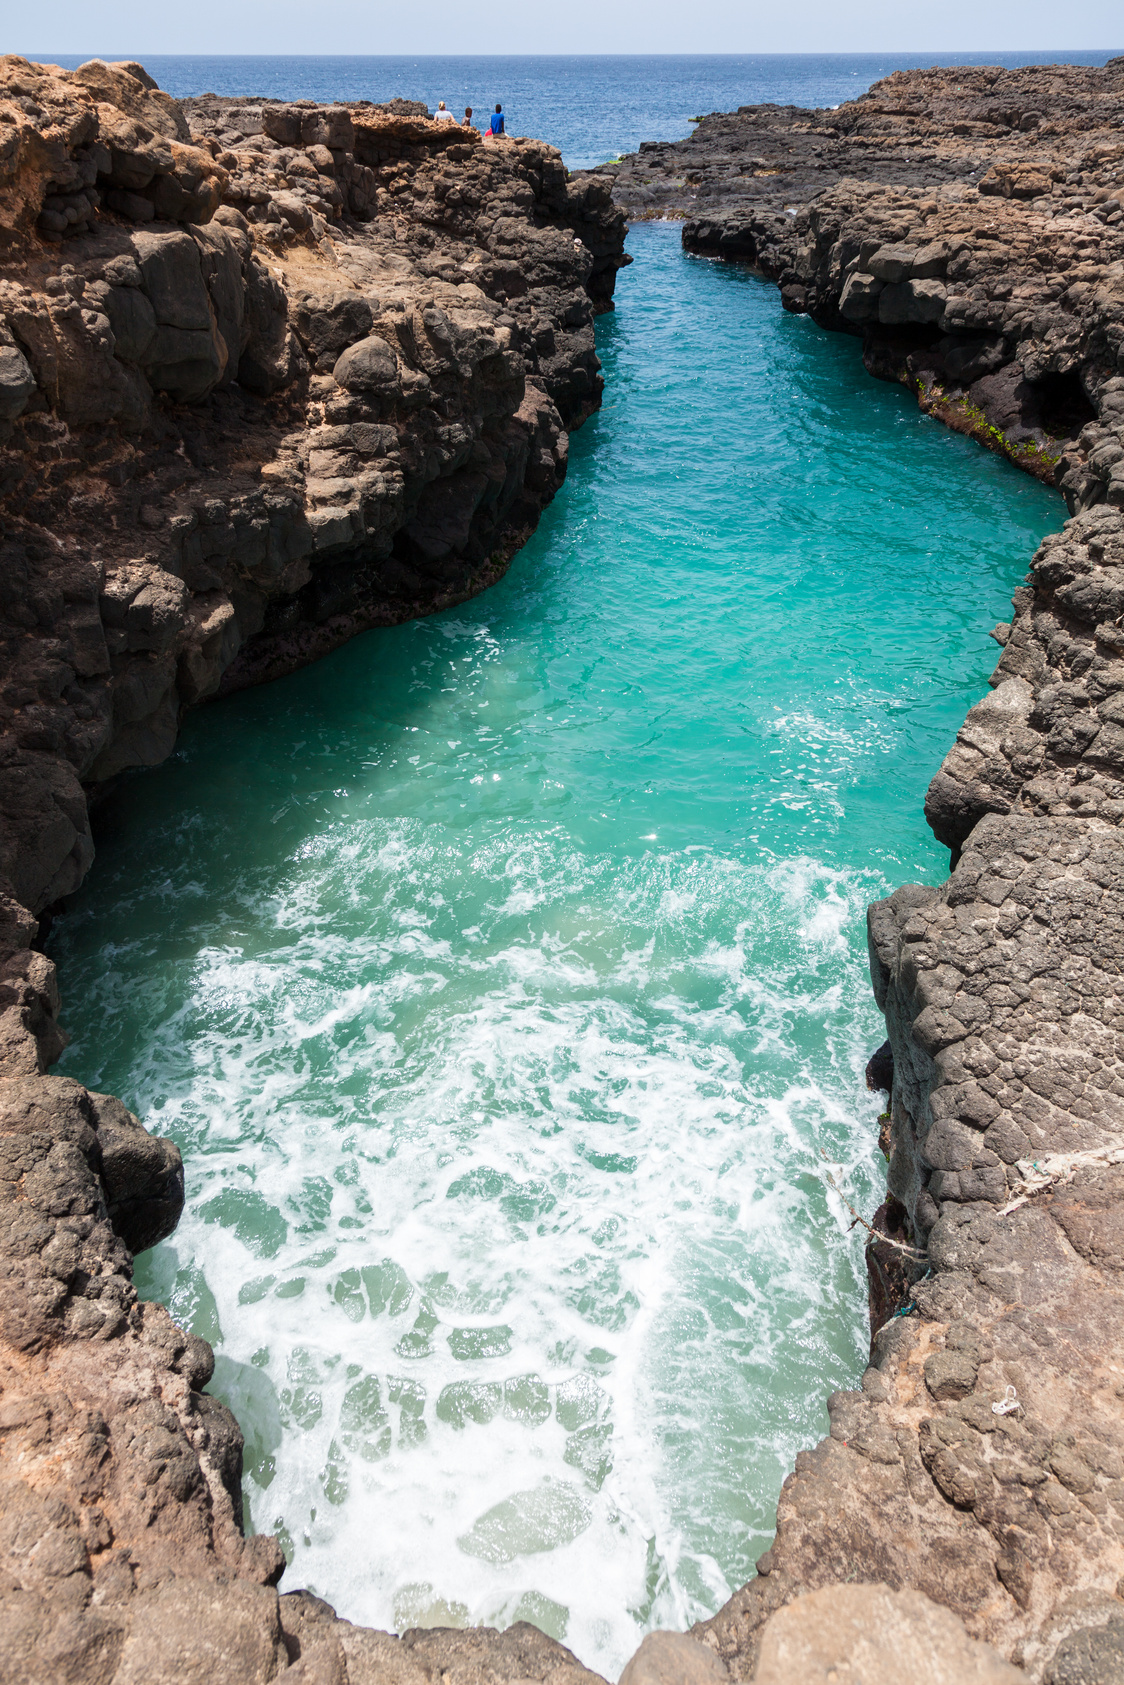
[[232, 440], [868, 1635], [271, 373], [914, 128], [968, 225], [268, 375], [965, 222], [672, 1658], [842, 1635]]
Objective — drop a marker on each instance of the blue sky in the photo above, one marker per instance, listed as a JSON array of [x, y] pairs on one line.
[[134, 27]]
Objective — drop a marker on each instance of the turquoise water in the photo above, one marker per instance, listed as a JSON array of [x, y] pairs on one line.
[[503, 979]]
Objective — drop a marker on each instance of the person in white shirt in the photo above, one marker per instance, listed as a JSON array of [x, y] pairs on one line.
[[441, 115]]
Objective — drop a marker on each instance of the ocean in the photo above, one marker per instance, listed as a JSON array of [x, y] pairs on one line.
[[592, 108]]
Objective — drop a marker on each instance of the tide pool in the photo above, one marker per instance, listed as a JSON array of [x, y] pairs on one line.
[[503, 980]]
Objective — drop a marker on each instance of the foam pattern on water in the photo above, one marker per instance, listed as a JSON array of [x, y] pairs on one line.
[[503, 981], [527, 1261]]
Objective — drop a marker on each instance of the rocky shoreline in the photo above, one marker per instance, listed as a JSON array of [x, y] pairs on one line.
[[967, 225], [273, 373], [269, 374]]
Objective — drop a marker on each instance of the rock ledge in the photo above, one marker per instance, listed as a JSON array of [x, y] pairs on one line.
[[967, 224], [269, 374]]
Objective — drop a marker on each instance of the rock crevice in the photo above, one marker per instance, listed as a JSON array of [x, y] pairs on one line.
[[967, 225], [269, 374]]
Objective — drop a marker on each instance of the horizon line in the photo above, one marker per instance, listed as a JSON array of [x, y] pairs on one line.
[[899, 52]]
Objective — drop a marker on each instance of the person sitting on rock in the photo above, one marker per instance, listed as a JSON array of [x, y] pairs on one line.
[[495, 124], [468, 116], [441, 115]]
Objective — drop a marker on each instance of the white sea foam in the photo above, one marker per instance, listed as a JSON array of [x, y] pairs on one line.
[[494, 979], [506, 1193]]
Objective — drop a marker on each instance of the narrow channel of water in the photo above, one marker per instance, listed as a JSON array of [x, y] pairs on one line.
[[503, 980]]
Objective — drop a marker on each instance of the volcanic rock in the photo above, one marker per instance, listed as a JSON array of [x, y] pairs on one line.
[[967, 224], [965, 221], [269, 374]]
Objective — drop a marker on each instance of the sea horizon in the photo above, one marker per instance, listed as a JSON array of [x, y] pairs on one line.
[[966, 57], [592, 106]]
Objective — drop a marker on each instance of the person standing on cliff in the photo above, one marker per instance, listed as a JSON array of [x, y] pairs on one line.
[[441, 115], [495, 123]]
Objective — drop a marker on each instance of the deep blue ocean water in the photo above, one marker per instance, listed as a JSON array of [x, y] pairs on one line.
[[592, 108], [503, 979]]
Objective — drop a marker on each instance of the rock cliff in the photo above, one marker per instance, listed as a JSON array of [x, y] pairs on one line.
[[269, 374], [967, 224], [273, 373]]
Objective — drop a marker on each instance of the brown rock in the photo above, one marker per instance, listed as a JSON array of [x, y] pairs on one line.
[[149, 547], [951, 1374], [866, 1633], [671, 1658], [191, 1632]]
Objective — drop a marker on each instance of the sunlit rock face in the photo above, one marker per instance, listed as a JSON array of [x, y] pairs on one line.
[[250, 403]]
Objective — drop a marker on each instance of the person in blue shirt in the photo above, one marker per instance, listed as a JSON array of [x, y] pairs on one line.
[[495, 125]]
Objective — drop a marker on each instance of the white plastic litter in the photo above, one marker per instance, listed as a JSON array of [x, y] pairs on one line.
[[1038, 1173]]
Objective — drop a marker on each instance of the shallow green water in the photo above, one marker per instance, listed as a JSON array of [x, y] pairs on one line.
[[503, 980]]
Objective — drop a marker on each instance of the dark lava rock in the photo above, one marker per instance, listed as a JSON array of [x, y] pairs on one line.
[[269, 374]]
